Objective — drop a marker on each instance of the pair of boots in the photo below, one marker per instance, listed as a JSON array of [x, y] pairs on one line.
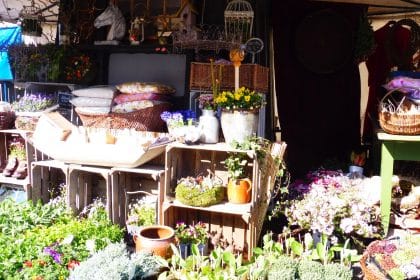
[[16, 168]]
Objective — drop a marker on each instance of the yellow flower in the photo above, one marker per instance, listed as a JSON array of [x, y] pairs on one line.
[[237, 96], [247, 98]]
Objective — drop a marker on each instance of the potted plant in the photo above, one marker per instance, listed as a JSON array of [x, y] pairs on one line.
[[358, 160], [200, 191], [186, 235], [239, 117], [141, 213], [209, 124], [239, 186], [182, 125]]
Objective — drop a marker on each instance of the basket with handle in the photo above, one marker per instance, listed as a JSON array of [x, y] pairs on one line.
[[394, 119], [147, 119]]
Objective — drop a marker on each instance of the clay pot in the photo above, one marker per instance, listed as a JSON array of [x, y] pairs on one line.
[[239, 191], [155, 239]]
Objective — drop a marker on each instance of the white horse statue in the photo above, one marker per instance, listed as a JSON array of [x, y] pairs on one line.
[[114, 17]]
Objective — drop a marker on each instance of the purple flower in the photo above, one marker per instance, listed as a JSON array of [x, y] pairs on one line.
[[165, 116], [53, 253]]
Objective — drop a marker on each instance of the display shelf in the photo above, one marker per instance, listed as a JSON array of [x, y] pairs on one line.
[[13, 181], [147, 177], [225, 207]]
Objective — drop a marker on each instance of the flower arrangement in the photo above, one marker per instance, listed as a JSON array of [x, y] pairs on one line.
[[78, 69], [333, 204], [143, 212], [200, 191], [33, 103], [182, 125], [358, 158], [241, 99], [191, 234], [395, 258], [206, 102]]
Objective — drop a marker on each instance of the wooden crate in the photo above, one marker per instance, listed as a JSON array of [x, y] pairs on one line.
[[149, 178], [46, 176], [231, 228], [252, 76], [87, 183]]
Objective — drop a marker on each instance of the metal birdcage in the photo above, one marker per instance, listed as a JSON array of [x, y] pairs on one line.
[[239, 17]]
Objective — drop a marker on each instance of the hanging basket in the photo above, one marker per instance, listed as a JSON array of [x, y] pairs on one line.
[[393, 120]]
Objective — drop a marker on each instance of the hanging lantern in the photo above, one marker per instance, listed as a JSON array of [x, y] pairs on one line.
[[31, 20], [239, 17]]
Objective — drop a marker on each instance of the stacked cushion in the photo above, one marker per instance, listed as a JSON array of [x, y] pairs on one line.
[[134, 96], [94, 100]]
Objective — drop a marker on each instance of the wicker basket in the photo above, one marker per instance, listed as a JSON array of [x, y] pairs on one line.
[[252, 76], [396, 122], [6, 120], [370, 272], [147, 119]]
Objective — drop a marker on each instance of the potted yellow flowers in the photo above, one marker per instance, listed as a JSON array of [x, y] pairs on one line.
[[239, 117]]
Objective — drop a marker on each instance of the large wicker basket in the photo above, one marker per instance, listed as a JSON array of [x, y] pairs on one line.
[[147, 119], [370, 272], [252, 76], [398, 122]]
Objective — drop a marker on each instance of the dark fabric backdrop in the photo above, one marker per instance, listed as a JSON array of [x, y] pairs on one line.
[[319, 113]]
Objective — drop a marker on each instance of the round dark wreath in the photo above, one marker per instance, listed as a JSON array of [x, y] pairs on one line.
[[403, 60]]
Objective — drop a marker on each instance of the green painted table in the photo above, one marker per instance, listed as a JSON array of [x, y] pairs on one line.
[[394, 147]]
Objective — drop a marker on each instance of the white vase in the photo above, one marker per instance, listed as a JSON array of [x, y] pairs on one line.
[[239, 125], [209, 125]]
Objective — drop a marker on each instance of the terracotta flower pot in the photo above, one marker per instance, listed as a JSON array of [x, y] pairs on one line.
[[155, 239], [239, 191]]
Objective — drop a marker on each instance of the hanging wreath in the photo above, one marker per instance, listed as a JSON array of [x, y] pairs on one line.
[[403, 59], [364, 40]]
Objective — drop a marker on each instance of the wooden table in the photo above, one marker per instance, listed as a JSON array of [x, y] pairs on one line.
[[394, 147]]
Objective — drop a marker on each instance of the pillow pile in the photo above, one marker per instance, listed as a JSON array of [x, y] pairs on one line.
[[134, 96], [94, 100]]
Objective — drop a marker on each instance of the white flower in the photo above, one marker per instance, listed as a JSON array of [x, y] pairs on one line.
[[90, 245]]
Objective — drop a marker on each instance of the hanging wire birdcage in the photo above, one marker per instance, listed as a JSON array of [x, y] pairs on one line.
[[31, 20], [239, 17]]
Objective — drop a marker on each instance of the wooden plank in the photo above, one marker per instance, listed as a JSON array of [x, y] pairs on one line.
[[36, 182], [45, 186], [73, 190]]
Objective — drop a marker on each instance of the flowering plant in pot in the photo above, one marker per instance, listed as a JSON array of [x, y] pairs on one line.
[[182, 125], [141, 213], [186, 235], [239, 117], [239, 186]]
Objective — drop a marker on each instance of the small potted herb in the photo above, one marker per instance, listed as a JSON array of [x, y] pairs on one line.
[[239, 186]]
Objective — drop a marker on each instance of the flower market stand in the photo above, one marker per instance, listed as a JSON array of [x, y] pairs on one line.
[[237, 224], [394, 147]]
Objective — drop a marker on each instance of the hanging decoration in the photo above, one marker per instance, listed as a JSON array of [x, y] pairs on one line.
[[239, 17]]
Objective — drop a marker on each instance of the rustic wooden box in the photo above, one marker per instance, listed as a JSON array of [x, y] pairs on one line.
[[253, 76], [233, 221], [149, 178], [46, 176], [86, 183]]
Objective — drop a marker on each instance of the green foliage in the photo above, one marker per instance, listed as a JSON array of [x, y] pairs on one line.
[[334, 271], [284, 267], [143, 212], [396, 274], [114, 263], [43, 240], [310, 270], [236, 164], [219, 265]]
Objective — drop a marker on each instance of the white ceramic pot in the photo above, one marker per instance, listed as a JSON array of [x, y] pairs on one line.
[[239, 125], [209, 126]]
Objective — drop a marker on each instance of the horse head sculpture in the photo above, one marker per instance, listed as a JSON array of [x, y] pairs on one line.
[[113, 16]]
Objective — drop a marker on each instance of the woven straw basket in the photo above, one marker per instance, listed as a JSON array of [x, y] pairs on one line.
[[370, 272], [398, 122], [147, 119]]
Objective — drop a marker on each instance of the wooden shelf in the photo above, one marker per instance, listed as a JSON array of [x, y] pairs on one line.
[[14, 181], [219, 147], [224, 207]]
